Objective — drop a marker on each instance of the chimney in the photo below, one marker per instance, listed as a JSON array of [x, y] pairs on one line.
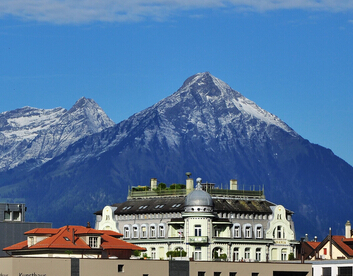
[[348, 230], [153, 183], [189, 183], [234, 184]]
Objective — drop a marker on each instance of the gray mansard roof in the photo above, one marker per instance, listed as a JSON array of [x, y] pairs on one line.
[[177, 204]]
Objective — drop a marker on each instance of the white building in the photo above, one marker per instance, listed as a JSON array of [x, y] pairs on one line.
[[207, 223]]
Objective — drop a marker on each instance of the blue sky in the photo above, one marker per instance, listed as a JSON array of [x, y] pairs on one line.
[[293, 58]]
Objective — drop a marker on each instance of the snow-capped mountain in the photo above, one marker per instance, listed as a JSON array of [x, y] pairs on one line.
[[205, 128], [40, 134]]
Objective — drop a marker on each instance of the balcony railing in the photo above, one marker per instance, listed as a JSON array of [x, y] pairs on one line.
[[198, 239]]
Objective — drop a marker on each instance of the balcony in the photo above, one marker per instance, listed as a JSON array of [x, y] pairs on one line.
[[198, 239]]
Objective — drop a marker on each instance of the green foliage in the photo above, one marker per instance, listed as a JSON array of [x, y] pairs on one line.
[[223, 256], [141, 188], [161, 186], [291, 256], [177, 186], [137, 253], [176, 253], [69, 252]]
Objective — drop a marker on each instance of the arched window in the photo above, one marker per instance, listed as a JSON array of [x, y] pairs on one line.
[[153, 231], [126, 231], [236, 254], [144, 231], [135, 231], [278, 232], [236, 231], [161, 230], [247, 253], [258, 254], [258, 231], [247, 231], [284, 254], [153, 253]]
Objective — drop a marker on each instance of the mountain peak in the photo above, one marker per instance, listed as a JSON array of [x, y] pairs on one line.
[[83, 103]]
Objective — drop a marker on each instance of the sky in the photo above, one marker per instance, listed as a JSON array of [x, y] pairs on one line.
[[294, 58]]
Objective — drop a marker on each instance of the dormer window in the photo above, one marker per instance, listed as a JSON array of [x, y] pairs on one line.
[[93, 242], [30, 241]]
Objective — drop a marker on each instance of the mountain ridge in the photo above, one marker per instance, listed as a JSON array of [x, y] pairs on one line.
[[191, 130], [32, 133]]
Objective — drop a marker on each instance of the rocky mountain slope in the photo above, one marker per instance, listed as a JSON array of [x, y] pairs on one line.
[[37, 135], [206, 128]]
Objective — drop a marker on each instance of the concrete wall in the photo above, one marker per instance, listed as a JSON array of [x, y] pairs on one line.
[[93, 267], [13, 232], [246, 269]]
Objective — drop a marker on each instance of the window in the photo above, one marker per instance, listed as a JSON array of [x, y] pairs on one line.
[[7, 215], [325, 251], [197, 230], [152, 231], [135, 232], [258, 232], [278, 233], [16, 215], [143, 231], [236, 231], [201, 273], [30, 241], [326, 271], [93, 242], [120, 268], [197, 253], [344, 271], [284, 254], [247, 253], [217, 232], [161, 231], [126, 232], [153, 253], [258, 254], [254, 274], [216, 273], [248, 231], [232, 273], [236, 254]]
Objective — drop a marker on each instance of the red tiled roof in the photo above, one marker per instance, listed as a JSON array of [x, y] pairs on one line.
[[109, 242], [340, 241], [62, 238], [40, 231], [313, 245]]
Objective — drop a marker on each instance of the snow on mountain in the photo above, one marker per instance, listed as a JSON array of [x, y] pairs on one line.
[[213, 107], [40, 134]]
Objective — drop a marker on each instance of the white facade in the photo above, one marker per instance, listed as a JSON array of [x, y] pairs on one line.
[[204, 226]]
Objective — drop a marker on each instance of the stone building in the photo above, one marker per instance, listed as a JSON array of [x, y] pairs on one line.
[[206, 223]]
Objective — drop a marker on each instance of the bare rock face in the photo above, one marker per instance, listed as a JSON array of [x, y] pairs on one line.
[[205, 127], [40, 134]]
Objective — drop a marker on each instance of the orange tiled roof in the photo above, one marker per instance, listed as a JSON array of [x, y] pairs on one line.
[[42, 231], [312, 244], [68, 237], [340, 241], [109, 242]]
